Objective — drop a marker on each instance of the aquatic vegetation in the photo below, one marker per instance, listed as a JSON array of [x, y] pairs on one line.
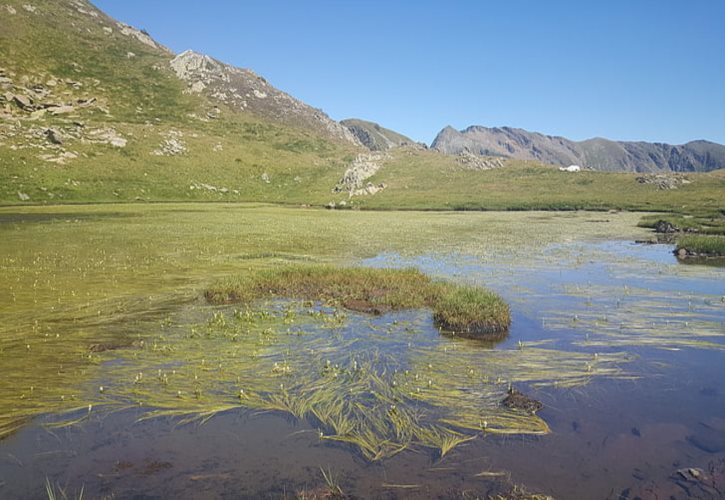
[[124, 315], [609, 316], [600, 296], [331, 482], [57, 493], [469, 310], [381, 392]]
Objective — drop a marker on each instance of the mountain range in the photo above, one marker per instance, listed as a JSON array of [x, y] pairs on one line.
[[595, 154]]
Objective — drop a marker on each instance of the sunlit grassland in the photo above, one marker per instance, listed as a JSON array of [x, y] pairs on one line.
[[241, 158], [55, 40], [425, 180]]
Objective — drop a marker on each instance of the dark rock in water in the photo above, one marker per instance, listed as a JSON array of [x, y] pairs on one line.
[[662, 226], [518, 401]]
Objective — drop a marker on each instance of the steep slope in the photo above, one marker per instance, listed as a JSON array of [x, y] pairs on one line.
[[94, 110], [377, 138], [597, 154], [243, 90]]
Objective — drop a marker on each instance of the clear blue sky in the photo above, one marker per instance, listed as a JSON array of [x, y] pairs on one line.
[[622, 69]]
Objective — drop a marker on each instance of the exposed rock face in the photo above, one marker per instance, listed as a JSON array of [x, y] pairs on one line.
[[598, 153], [242, 89], [377, 138], [23, 101], [361, 169]]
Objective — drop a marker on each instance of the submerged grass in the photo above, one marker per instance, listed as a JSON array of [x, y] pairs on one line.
[[463, 310], [610, 316], [378, 392]]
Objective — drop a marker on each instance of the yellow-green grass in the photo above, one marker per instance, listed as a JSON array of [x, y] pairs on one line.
[[469, 310]]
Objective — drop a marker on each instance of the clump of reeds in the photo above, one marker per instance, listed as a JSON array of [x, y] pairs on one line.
[[464, 310]]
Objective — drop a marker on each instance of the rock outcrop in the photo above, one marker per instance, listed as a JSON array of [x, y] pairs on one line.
[[470, 161], [597, 154], [360, 170], [243, 90], [25, 104], [664, 181]]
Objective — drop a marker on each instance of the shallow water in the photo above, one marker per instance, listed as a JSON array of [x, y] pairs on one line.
[[645, 335]]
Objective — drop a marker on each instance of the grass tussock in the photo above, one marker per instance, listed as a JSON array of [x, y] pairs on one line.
[[710, 221], [701, 245], [465, 310]]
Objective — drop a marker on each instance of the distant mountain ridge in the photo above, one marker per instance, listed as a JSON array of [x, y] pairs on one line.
[[376, 137], [597, 154]]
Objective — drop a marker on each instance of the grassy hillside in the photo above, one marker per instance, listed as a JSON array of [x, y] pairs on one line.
[[65, 52]]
